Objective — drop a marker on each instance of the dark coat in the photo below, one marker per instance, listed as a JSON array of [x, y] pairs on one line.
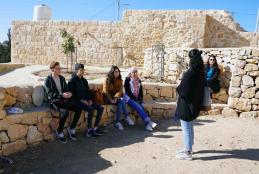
[[213, 82], [190, 92], [79, 88], [52, 90], [129, 92]]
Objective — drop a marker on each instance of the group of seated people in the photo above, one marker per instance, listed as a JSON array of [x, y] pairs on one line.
[[76, 96]]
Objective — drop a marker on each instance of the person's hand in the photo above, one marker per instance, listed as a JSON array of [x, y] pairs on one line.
[[90, 102], [67, 95], [113, 101]]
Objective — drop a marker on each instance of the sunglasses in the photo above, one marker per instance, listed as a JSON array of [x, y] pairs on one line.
[[212, 60], [134, 72]]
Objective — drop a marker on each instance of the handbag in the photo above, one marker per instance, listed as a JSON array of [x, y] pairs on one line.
[[98, 96], [206, 102]]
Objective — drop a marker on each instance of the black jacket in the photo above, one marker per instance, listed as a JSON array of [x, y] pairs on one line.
[[190, 92], [213, 82], [79, 88], [130, 94], [52, 90]]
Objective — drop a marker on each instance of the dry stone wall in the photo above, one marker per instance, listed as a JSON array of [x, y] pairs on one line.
[[124, 42]]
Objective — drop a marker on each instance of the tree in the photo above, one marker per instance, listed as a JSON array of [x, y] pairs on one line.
[[5, 49], [68, 46]]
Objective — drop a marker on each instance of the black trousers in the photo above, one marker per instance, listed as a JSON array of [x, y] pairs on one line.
[[64, 107], [90, 110]]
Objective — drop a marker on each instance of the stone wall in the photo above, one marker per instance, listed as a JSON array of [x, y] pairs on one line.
[[40, 42], [105, 43], [176, 60], [244, 93]]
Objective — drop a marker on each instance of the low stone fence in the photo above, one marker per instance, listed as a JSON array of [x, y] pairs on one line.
[[19, 131], [235, 64], [6, 67]]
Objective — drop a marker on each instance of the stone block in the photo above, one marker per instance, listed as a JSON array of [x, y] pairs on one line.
[[240, 104], [236, 81], [234, 92], [2, 114], [33, 135], [14, 147], [252, 114], [247, 80], [3, 137], [228, 112], [249, 93], [29, 118], [166, 92], [17, 131]]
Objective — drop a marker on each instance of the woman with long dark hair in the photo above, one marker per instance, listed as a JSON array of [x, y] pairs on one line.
[[113, 89], [212, 74], [190, 99]]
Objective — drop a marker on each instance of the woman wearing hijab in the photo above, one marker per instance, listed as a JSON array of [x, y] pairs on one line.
[[134, 97]]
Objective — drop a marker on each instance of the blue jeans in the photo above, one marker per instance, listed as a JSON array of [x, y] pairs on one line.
[[121, 107], [139, 109], [188, 134]]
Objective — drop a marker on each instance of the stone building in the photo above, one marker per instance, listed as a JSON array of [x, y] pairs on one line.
[[124, 42]]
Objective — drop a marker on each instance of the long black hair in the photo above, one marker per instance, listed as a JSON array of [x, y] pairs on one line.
[[110, 75], [197, 64], [196, 61], [215, 65]]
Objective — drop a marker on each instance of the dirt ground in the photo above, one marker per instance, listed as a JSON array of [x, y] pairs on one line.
[[222, 145]]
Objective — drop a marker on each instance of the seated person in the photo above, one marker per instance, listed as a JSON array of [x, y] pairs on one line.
[[212, 74], [60, 99], [78, 85], [113, 90], [134, 97]]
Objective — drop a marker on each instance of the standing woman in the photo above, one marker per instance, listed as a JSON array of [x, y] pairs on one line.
[[113, 90], [190, 99], [212, 74], [134, 97]]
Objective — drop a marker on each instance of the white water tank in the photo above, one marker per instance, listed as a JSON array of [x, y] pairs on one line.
[[41, 12]]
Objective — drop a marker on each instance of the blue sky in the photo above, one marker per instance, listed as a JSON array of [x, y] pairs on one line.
[[245, 11]]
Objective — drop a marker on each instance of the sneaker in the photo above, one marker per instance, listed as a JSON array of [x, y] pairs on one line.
[[72, 134], [129, 121], [153, 124], [91, 133], [119, 126], [98, 131], [148, 127], [61, 138], [182, 150], [184, 156]]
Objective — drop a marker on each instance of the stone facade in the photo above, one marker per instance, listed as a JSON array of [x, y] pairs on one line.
[[124, 42]]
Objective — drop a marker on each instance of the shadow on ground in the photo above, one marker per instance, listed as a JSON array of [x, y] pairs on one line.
[[246, 154], [80, 156]]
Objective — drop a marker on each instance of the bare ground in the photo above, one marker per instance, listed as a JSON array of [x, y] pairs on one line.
[[222, 145]]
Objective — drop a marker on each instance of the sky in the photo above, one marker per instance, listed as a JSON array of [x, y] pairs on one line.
[[245, 11]]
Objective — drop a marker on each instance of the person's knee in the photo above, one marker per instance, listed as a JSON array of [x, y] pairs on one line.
[[64, 113], [101, 108]]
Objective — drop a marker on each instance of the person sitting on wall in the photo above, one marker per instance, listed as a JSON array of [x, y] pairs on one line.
[[134, 97], [113, 90], [60, 98], [212, 74], [81, 93]]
